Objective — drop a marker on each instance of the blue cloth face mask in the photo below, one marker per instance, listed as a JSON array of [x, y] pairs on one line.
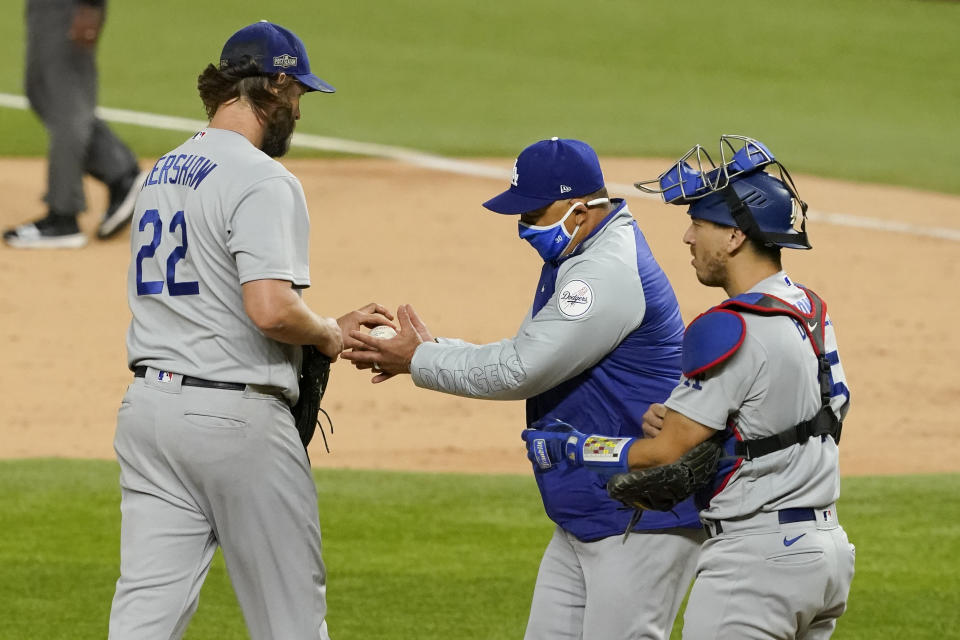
[[552, 240]]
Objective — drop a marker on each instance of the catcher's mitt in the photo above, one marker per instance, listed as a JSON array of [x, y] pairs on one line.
[[314, 373], [662, 488]]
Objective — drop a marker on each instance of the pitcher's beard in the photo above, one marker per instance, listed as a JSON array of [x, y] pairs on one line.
[[277, 134]]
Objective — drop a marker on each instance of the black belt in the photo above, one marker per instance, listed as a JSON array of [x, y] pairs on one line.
[[190, 381], [785, 516]]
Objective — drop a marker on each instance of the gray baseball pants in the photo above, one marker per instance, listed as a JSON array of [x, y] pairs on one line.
[[762, 580], [610, 589], [61, 85], [206, 467]]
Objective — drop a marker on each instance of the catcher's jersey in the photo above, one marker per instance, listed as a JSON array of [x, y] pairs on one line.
[[214, 213], [769, 385], [599, 345]]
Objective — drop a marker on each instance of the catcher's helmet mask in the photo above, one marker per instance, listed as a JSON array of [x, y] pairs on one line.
[[737, 193]]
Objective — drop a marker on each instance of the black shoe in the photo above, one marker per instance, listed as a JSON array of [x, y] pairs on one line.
[[123, 195], [51, 232]]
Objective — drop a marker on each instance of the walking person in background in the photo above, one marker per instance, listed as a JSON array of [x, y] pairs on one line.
[[61, 85]]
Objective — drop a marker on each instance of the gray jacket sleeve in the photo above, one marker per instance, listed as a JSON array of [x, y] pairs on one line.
[[561, 341]]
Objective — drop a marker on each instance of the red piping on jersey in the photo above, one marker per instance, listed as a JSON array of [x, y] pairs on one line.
[[730, 352], [768, 311]]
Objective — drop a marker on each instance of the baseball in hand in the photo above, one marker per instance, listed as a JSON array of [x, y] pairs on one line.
[[383, 331]]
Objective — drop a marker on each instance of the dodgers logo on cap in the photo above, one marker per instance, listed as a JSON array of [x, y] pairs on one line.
[[547, 171]]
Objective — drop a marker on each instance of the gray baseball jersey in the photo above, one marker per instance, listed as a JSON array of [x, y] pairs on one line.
[[203, 467], [555, 344], [779, 565], [770, 384], [248, 222]]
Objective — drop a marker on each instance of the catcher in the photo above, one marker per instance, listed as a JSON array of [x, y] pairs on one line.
[[754, 423]]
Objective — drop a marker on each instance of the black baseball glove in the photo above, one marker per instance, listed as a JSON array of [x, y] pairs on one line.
[[314, 374], [662, 488]]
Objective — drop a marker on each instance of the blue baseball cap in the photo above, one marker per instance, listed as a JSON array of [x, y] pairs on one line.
[[547, 171], [276, 49]]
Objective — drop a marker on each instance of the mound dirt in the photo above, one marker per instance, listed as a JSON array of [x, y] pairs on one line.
[[391, 233]]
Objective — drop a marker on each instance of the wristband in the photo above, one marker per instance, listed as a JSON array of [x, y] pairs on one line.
[[603, 454]]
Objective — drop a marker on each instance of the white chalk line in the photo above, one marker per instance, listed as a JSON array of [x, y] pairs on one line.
[[465, 167]]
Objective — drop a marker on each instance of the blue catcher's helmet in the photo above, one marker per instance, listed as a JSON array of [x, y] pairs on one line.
[[737, 193], [771, 205]]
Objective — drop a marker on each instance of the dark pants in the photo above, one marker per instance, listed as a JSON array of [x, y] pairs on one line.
[[61, 84]]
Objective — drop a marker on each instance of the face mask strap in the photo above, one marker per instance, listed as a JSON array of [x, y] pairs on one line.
[[589, 204], [573, 207]]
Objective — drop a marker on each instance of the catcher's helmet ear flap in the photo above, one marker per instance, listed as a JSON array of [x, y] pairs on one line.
[[769, 202]]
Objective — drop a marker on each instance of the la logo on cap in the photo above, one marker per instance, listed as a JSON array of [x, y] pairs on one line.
[[553, 169]]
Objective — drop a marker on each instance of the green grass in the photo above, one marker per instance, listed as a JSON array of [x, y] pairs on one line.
[[860, 89], [434, 556]]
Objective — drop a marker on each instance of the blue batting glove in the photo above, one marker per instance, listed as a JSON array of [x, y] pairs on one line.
[[548, 442]]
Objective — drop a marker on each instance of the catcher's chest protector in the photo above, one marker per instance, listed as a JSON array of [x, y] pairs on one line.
[[715, 336]]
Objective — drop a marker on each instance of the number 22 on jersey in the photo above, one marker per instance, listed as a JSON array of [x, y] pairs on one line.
[[151, 217]]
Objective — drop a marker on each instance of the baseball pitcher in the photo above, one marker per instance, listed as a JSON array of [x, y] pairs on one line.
[[209, 451]]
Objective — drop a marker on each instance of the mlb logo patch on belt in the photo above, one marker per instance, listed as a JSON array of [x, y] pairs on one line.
[[164, 376]]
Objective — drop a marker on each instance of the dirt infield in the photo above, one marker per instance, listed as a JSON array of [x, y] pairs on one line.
[[397, 234]]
